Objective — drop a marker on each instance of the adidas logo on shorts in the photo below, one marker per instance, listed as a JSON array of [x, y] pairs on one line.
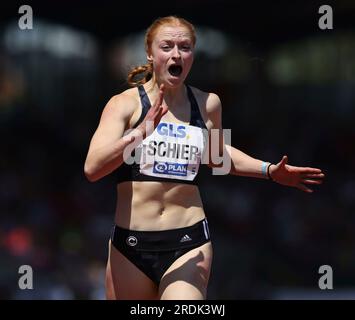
[[185, 238]]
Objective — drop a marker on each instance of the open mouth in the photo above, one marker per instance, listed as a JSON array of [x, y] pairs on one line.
[[175, 70]]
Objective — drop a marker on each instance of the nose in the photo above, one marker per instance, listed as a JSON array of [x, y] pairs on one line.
[[176, 53]]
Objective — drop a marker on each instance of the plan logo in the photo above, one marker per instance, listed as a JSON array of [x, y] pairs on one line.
[[174, 169], [160, 167]]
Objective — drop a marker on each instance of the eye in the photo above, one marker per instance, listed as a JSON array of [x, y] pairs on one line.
[[165, 47], [186, 47]]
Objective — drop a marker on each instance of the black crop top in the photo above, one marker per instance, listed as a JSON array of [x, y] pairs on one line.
[[172, 153]]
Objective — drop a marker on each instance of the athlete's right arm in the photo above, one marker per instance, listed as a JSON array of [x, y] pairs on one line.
[[108, 143]]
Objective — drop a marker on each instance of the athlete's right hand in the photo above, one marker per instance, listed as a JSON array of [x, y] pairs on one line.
[[154, 114]]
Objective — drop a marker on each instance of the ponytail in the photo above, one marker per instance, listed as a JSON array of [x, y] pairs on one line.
[[146, 69]]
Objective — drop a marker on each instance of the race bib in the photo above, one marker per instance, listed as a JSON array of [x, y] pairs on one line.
[[172, 151]]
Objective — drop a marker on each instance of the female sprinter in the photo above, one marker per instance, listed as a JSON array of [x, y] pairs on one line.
[[160, 246]]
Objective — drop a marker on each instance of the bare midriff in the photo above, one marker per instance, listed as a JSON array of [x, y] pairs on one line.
[[153, 206]]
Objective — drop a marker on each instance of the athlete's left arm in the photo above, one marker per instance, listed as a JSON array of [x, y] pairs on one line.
[[244, 165]]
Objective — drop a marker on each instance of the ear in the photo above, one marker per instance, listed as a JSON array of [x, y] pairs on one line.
[[149, 58]]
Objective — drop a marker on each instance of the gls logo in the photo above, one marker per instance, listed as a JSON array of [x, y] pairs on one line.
[[169, 129]]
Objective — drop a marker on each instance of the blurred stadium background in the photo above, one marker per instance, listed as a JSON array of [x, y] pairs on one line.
[[286, 86]]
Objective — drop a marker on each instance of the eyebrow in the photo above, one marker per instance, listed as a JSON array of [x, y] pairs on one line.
[[179, 40]]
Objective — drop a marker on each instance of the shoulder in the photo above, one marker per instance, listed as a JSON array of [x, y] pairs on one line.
[[210, 106], [122, 105], [208, 101], [125, 100]]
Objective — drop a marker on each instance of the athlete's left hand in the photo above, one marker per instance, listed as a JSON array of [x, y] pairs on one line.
[[297, 177]]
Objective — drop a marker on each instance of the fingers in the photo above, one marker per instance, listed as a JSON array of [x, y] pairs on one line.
[[161, 111], [164, 110], [158, 113], [313, 176], [161, 108], [160, 98], [304, 188], [312, 181], [128, 138], [310, 170], [283, 160]]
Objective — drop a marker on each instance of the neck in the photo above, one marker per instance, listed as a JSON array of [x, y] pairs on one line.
[[172, 96]]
